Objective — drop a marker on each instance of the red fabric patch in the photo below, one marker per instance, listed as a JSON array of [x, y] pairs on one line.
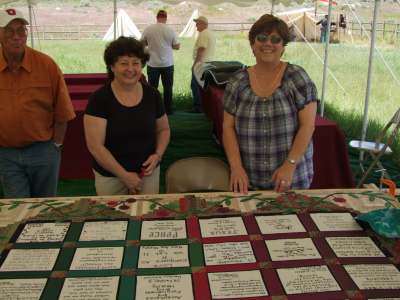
[[11, 11]]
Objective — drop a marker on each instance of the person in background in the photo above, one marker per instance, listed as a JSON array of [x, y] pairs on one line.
[[126, 128], [203, 51], [324, 28], [34, 110], [269, 115], [161, 41]]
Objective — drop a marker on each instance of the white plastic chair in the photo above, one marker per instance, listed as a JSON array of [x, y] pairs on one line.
[[196, 174], [379, 147]]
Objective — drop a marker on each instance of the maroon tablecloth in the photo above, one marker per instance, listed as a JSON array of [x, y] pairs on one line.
[[76, 161], [331, 160]]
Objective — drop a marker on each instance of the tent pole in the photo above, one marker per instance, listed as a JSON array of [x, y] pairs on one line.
[[115, 19], [272, 6], [316, 8], [369, 78], [30, 22], [325, 72]]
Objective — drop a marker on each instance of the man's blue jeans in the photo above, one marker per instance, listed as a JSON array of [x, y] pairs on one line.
[[195, 86], [31, 171], [167, 79], [323, 37]]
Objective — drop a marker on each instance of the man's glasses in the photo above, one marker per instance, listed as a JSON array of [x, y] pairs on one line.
[[263, 37], [20, 31]]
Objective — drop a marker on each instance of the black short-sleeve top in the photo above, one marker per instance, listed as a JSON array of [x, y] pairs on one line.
[[130, 131]]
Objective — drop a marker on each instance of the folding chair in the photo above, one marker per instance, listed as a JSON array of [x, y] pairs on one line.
[[378, 148], [196, 174]]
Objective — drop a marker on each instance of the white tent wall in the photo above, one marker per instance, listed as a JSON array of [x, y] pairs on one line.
[[122, 26]]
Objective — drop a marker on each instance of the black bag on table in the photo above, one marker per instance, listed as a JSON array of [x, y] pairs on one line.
[[218, 73]]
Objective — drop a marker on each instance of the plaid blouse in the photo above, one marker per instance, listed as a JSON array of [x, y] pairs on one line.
[[266, 127]]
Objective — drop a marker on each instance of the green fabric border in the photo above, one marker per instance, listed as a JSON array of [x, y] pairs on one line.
[[165, 271], [164, 242], [131, 256], [94, 273], [88, 244], [134, 228], [64, 259], [24, 274], [46, 245], [196, 255], [52, 289], [74, 232], [127, 288]]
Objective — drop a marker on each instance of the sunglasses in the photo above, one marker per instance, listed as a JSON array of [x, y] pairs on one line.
[[263, 37], [20, 31]]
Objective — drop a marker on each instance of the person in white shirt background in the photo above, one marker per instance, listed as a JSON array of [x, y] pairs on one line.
[[161, 41], [203, 51]]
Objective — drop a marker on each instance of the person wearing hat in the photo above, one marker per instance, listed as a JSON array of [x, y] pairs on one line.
[[203, 51], [34, 110], [161, 41]]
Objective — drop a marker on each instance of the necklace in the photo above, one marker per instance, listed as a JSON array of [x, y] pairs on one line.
[[269, 81], [128, 98]]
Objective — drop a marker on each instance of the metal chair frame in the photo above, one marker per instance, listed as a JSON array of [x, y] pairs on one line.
[[382, 146]]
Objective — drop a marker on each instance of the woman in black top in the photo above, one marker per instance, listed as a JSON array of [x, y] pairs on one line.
[[126, 128]]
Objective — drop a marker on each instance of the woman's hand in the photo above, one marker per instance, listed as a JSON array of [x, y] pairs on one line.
[[150, 164], [239, 181], [133, 182], [283, 176]]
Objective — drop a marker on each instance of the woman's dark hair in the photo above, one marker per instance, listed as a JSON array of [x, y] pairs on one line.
[[124, 46], [268, 23]]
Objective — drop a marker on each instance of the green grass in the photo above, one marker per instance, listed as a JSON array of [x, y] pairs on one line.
[[348, 62]]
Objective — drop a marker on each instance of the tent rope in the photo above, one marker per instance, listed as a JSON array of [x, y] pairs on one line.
[[319, 58], [377, 50]]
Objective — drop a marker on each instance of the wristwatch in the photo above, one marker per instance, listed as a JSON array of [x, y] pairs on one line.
[[291, 161], [58, 145]]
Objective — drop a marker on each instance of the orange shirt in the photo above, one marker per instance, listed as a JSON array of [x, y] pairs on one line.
[[32, 100]]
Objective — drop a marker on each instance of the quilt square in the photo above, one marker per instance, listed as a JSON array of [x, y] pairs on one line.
[[164, 287], [228, 253], [355, 246], [241, 284], [292, 249], [164, 230], [335, 222], [163, 256], [43, 232], [374, 276], [104, 231], [279, 224], [23, 289], [97, 258], [313, 279], [218, 227], [30, 260], [90, 288]]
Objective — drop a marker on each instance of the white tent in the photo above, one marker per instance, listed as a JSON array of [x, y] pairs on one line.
[[124, 27], [190, 28]]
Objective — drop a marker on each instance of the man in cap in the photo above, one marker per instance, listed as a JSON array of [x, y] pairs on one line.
[[34, 110], [203, 51], [161, 41]]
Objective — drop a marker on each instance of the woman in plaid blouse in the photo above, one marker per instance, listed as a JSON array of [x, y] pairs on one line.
[[269, 116]]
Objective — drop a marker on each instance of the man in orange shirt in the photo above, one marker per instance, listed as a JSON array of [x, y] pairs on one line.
[[34, 110]]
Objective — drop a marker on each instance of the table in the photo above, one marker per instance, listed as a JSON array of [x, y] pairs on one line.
[[331, 160], [214, 208]]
